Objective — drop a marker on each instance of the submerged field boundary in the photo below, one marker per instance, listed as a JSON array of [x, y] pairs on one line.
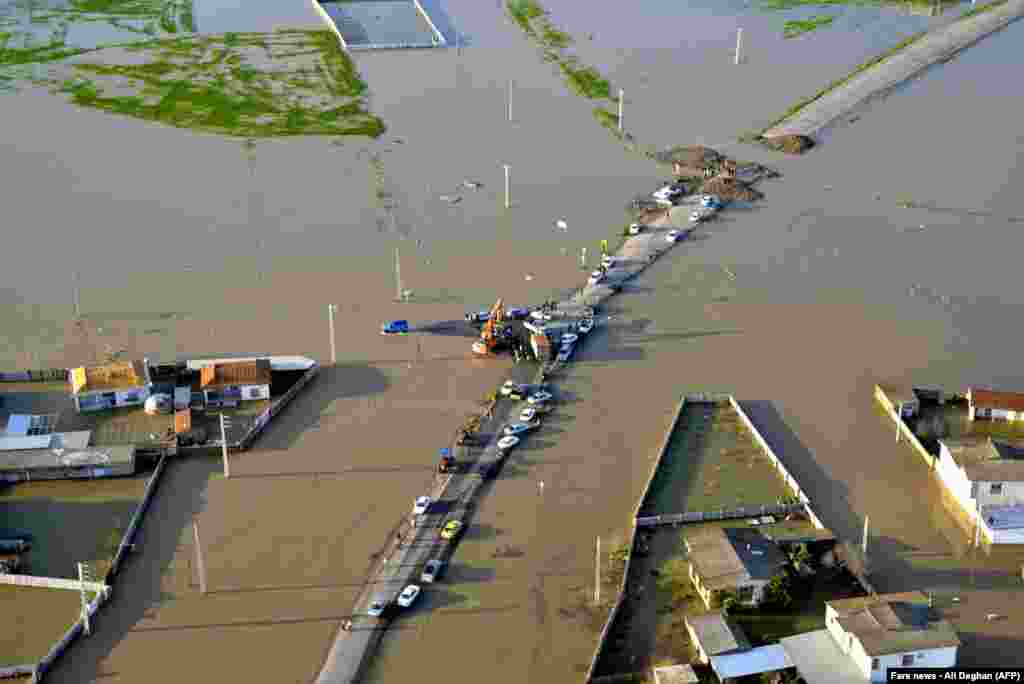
[[676, 519], [438, 39], [892, 68]]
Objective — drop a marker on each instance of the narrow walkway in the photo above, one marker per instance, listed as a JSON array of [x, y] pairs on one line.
[[937, 46], [349, 655]]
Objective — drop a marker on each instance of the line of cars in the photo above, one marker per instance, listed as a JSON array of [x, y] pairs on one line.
[[431, 573]]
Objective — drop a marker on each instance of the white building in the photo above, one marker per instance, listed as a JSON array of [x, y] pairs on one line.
[[987, 479], [113, 385], [890, 630], [983, 403]]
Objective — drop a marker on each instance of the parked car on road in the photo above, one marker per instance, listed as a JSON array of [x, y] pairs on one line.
[[400, 327], [432, 571], [540, 397], [711, 202], [511, 387], [519, 428], [701, 214], [586, 326], [377, 608], [421, 506], [528, 414], [451, 529], [596, 278], [673, 235], [669, 193], [636, 228], [507, 442], [409, 596]]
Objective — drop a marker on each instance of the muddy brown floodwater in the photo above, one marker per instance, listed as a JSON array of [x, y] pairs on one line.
[[184, 246]]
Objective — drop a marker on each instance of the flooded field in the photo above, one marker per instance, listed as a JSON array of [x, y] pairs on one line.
[[192, 243]]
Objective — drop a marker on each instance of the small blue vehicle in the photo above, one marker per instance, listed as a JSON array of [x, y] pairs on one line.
[[400, 327]]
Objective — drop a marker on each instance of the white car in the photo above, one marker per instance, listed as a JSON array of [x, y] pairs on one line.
[[702, 214], [541, 315], [586, 326], [569, 338], [421, 505], [510, 387], [668, 193], [608, 261], [409, 595], [636, 229], [673, 235], [528, 414], [507, 442], [376, 608], [518, 428], [595, 278], [431, 571], [539, 398], [564, 355]]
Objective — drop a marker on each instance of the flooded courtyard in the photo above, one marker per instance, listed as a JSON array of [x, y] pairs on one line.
[[886, 254]]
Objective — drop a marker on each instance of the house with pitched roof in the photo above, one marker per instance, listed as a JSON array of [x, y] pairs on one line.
[[993, 405], [986, 478], [737, 560]]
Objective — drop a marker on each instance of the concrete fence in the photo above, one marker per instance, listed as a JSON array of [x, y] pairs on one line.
[[620, 597], [275, 407], [724, 514], [44, 665], [128, 540], [901, 426], [50, 582], [790, 481], [40, 375]]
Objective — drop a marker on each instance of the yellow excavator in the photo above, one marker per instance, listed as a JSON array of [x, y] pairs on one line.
[[490, 335]]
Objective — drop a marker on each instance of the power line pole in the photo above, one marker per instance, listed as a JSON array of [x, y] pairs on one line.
[[200, 564], [331, 309], [864, 544], [597, 573], [510, 100], [78, 308], [224, 445], [739, 43], [399, 285], [508, 202], [622, 94], [83, 576]]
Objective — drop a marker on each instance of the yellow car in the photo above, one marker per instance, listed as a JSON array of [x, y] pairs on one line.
[[451, 529]]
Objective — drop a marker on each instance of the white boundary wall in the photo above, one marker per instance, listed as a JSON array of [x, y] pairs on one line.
[[50, 582], [437, 34]]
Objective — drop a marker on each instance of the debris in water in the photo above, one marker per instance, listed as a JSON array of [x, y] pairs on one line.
[[451, 199], [562, 225], [398, 141], [472, 185], [828, 187], [529, 276]]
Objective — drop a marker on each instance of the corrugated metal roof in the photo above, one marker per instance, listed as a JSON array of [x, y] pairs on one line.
[[755, 661], [715, 634], [985, 398]]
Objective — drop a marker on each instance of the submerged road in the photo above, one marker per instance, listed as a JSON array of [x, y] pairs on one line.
[[936, 46], [455, 495]]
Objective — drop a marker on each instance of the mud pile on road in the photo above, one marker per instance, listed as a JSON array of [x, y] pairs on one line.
[[790, 144]]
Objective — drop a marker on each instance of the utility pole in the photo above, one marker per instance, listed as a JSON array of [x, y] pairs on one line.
[[864, 544], [83, 576], [331, 309], [200, 564], [224, 445], [399, 286], [739, 43], [597, 573], [508, 199], [583, 258], [510, 100], [78, 308], [622, 94], [898, 419]]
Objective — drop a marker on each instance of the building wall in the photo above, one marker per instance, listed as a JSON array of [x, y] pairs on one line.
[[935, 657], [132, 396], [1012, 493], [956, 481], [975, 413], [701, 655]]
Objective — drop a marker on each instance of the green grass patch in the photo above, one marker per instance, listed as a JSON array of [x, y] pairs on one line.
[[208, 84], [523, 12], [609, 120], [584, 80], [551, 37], [798, 27]]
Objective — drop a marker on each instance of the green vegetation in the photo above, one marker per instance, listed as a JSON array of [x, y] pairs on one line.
[[584, 80], [981, 9], [523, 11], [799, 27], [213, 84]]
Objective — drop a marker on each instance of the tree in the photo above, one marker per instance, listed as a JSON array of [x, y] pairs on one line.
[[777, 592], [726, 600]]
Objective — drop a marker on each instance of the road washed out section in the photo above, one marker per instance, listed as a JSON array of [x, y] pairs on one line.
[[455, 495], [936, 46]]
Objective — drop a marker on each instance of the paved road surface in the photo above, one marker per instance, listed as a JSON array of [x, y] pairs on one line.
[[455, 495], [937, 46]]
